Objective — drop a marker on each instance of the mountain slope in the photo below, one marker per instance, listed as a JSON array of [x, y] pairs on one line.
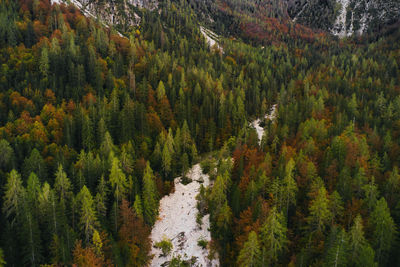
[[345, 17]]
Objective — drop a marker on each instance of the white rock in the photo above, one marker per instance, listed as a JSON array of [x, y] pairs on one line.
[[211, 37], [177, 222], [256, 124]]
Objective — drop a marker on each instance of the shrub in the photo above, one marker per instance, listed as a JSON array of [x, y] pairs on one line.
[[202, 243], [165, 245]]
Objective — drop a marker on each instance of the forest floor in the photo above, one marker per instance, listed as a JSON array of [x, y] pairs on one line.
[[177, 223]]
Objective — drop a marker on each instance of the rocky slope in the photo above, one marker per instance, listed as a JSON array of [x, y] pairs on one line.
[[345, 17], [120, 13], [340, 17]]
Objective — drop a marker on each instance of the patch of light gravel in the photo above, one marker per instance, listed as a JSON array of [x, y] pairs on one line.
[[256, 124], [177, 222], [210, 37]]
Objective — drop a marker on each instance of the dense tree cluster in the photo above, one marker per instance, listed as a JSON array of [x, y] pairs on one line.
[[94, 126], [322, 189]]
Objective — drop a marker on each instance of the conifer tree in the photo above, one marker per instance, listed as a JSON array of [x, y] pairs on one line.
[[384, 230], [44, 62], [138, 207], [337, 248], [6, 154], [13, 196], [166, 160], [320, 213], [273, 237], [101, 197], [249, 255], [33, 191], [361, 252], [160, 91], [289, 186], [88, 220], [119, 184], [34, 163], [150, 196], [62, 184]]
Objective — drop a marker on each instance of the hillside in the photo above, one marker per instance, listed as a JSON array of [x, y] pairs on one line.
[[293, 133]]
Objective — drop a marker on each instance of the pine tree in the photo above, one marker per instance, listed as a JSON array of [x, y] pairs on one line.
[[34, 163], [44, 62], [150, 196], [337, 248], [31, 233], [361, 252], [6, 154], [392, 188], [138, 207], [33, 191], [217, 196], [160, 91], [118, 180], [30, 230], [88, 220], [119, 184], [101, 197], [320, 213], [336, 206], [273, 237], [107, 145], [166, 160], [62, 184], [13, 196], [87, 133], [371, 194], [289, 186], [384, 230], [249, 255]]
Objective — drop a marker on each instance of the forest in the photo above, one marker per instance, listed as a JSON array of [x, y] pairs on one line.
[[95, 124]]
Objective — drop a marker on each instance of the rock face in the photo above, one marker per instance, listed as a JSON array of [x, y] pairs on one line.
[[122, 13], [340, 17], [345, 17]]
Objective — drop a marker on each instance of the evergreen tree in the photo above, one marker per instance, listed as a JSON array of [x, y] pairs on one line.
[[119, 184], [150, 196], [289, 186], [273, 237], [88, 220], [361, 252], [166, 160], [249, 255], [13, 196], [62, 184], [101, 198], [384, 230], [337, 248], [6, 154], [44, 62], [320, 213], [138, 207], [35, 163], [160, 91]]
